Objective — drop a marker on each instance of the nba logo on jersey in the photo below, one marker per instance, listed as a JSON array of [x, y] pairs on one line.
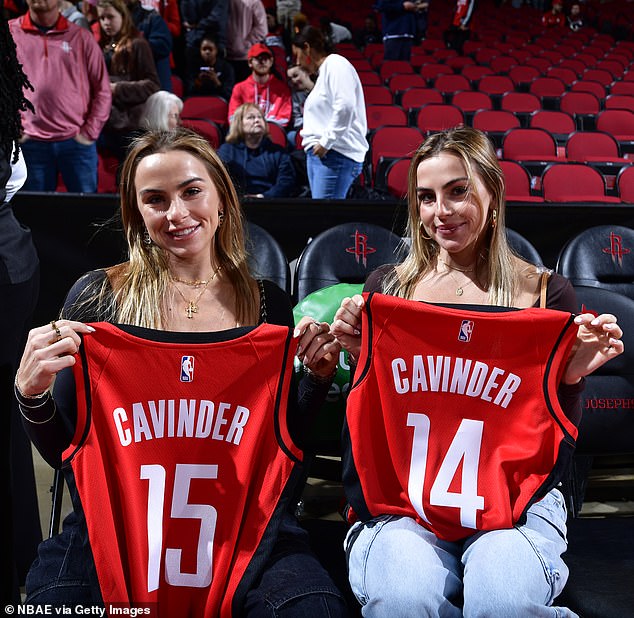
[[187, 369], [466, 328]]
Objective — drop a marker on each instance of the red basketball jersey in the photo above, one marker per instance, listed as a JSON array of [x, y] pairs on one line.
[[454, 418], [183, 462]]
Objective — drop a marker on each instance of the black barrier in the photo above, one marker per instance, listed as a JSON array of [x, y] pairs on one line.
[[76, 233]]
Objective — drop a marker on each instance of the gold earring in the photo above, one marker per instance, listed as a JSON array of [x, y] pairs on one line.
[[421, 229], [494, 218], [221, 218]]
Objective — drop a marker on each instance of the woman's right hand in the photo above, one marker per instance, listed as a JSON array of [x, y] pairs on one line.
[[346, 325], [48, 350]]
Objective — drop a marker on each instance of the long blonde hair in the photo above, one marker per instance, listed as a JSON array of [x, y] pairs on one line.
[[478, 156], [140, 285]]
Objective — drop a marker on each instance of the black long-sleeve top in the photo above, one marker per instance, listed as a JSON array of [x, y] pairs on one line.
[[51, 438]]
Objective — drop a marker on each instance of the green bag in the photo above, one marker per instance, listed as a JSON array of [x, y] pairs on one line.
[[322, 305]]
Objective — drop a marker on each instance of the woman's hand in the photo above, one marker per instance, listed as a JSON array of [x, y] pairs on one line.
[[48, 350], [346, 325], [316, 347], [319, 150], [598, 341]]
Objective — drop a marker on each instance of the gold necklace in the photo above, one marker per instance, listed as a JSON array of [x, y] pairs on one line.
[[460, 270], [459, 288], [192, 305], [195, 283]]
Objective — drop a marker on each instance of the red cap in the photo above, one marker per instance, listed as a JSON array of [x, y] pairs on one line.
[[258, 50]]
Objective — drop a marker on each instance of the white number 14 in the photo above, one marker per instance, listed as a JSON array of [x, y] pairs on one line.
[[464, 447]]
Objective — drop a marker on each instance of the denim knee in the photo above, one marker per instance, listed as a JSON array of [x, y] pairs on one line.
[[294, 584], [63, 571]]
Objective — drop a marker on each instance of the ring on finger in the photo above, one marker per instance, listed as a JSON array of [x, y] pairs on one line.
[[57, 331]]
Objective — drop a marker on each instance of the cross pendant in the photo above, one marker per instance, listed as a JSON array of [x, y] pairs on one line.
[[192, 308]]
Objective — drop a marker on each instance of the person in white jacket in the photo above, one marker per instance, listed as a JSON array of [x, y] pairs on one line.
[[335, 125]]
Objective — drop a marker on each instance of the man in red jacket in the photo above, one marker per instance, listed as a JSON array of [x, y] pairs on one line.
[[268, 92], [554, 18]]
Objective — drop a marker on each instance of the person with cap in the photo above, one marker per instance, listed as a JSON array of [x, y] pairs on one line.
[[555, 17], [262, 87]]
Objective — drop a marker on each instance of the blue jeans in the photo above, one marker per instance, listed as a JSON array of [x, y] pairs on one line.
[[293, 583], [76, 162], [396, 565], [331, 176]]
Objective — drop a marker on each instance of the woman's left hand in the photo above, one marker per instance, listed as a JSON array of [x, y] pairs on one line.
[[319, 150], [316, 347], [598, 341]]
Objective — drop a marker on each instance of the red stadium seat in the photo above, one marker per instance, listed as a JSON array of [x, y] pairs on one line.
[[583, 106], [625, 184], [438, 117], [574, 182], [517, 181], [495, 123], [380, 115], [207, 107], [559, 123], [208, 129]]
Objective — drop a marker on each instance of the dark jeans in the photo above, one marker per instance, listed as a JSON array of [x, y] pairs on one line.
[[293, 583], [398, 48], [76, 163]]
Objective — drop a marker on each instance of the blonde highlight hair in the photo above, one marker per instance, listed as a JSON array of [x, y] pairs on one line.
[[140, 285], [474, 149]]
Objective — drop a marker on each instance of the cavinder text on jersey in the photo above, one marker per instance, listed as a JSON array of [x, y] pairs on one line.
[[448, 374], [180, 418]]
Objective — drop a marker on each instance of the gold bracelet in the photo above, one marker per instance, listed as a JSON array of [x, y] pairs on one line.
[[20, 395], [30, 420]]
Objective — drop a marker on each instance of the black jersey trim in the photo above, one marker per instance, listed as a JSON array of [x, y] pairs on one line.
[[567, 436], [278, 401], [166, 336]]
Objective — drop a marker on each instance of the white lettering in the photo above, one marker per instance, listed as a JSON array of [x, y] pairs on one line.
[[461, 376], [185, 418]]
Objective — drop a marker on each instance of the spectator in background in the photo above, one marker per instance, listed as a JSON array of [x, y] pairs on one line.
[[278, 40], [334, 32], [335, 125], [162, 112], [301, 85], [398, 22], [286, 11], [422, 21], [370, 33], [70, 11], [155, 30], [202, 18], [459, 31], [132, 73], [263, 88], [575, 18], [71, 98], [276, 36], [89, 9], [554, 18], [258, 167], [169, 11], [210, 73], [247, 26]]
